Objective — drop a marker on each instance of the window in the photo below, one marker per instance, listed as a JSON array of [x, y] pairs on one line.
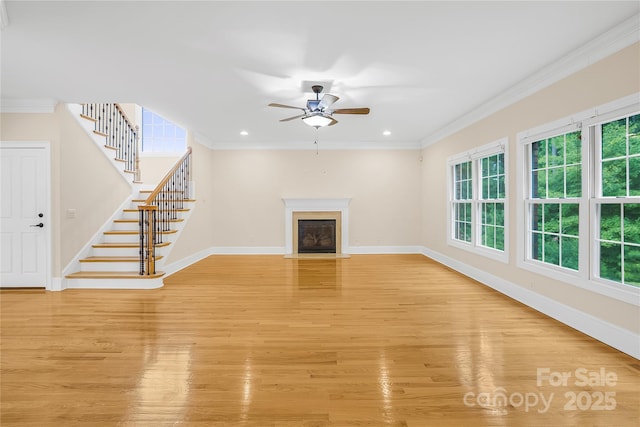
[[492, 201], [581, 193], [463, 193], [554, 199], [477, 195], [617, 205], [160, 135]]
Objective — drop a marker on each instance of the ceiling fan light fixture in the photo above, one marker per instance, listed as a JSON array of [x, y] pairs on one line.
[[317, 120]]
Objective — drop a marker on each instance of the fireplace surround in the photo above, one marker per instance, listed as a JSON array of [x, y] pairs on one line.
[[321, 210]]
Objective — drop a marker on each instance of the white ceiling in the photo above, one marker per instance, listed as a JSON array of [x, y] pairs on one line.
[[213, 66]]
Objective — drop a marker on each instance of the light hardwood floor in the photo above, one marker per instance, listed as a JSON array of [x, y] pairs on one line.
[[372, 340]]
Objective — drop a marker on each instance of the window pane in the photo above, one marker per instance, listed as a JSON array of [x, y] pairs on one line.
[[555, 153], [573, 148], [570, 252], [493, 187], [634, 176], [552, 218], [556, 183], [574, 181], [539, 155], [489, 236], [610, 261], [632, 224], [634, 134], [632, 265], [159, 134], [539, 184], [536, 217], [571, 219], [485, 188], [501, 187], [536, 246], [551, 249], [614, 139], [614, 178], [500, 238], [488, 213], [499, 213], [610, 222]]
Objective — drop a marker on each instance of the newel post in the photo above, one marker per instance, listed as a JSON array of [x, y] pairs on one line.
[[147, 225]]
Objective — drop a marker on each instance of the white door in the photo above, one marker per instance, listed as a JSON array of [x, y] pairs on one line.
[[24, 216]]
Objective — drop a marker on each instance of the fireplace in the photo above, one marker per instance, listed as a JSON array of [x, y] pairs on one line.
[[317, 232], [316, 236], [334, 210]]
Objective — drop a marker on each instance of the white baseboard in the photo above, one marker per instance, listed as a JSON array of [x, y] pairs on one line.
[[248, 250], [174, 267], [619, 338], [373, 250]]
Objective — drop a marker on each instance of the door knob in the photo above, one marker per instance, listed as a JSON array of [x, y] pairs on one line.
[[37, 225]]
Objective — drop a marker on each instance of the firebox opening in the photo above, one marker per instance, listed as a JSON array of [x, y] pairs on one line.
[[317, 236]]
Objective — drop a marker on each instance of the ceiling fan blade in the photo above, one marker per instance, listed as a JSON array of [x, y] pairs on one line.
[[333, 122], [292, 118], [285, 106], [364, 110], [327, 101]]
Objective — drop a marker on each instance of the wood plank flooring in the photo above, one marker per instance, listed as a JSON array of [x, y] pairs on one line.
[[373, 340]]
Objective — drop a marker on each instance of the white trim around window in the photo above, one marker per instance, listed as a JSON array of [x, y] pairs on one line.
[[478, 200], [586, 276]]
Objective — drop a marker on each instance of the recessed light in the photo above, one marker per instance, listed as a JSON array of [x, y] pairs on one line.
[[244, 133], [386, 133]]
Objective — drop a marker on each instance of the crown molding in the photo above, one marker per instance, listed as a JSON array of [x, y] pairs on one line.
[[621, 36], [40, 105]]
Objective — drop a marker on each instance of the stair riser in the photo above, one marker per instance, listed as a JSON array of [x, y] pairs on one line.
[[109, 266], [115, 252], [135, 215], [121, 238], [125, 226], [124, 251]]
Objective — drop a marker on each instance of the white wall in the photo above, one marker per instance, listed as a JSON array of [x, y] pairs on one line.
[[239, 195], [82, 178], [607, 80]]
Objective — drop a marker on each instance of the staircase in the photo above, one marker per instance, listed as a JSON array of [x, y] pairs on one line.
[[130, 250]]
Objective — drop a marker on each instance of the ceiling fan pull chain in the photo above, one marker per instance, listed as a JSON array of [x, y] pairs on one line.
[[316, 141]]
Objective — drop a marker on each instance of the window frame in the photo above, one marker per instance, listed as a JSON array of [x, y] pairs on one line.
[[475, 156], [588, 268]]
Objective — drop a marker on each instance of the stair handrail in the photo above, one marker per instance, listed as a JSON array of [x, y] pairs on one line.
[[161, 208], [121, 133]]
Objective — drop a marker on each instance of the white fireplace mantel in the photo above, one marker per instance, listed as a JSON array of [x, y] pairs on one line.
[[315, 205]]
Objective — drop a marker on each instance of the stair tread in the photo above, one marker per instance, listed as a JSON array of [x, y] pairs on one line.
[[112, 275], [176, 200], [88, 118], [132, 232], [135, 221], [125, 245], [177, 210], [114, 259]]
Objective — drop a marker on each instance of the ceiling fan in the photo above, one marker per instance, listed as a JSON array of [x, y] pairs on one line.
[[318, 112]]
